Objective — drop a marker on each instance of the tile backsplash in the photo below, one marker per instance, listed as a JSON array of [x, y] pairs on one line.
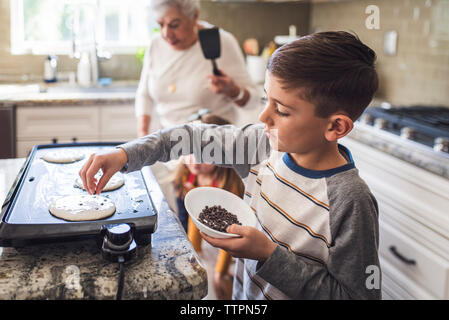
[[419, 71]]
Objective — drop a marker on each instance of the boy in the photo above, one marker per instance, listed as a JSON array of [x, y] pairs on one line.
[[317, 227]]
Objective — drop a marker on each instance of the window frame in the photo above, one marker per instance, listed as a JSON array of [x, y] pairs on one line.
[[20, 46]]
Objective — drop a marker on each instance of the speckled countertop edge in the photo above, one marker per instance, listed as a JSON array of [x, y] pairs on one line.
[[32, 97], [71, 99], [412, 152]]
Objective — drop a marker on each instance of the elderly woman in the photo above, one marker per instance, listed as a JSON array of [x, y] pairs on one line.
[[177, 81]]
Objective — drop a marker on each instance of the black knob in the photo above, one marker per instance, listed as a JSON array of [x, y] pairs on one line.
[[119, 234]]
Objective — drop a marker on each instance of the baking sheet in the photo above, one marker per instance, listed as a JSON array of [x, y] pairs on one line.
[[45, 181]]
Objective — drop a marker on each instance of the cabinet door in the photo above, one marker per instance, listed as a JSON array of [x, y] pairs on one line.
[[35, 123], [117, 123], [413, 223], [24, 147], [415, 261]]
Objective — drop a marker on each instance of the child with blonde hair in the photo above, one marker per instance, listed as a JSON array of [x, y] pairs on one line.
[[189, 175]]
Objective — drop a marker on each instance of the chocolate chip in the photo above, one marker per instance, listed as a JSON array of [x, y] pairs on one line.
[[217, 218]]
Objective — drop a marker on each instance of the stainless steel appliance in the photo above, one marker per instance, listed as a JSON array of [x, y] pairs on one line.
[[428, 126]]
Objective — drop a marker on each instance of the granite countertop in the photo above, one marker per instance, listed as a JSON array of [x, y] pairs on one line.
[[410, 151], [120, 92], [167, 269]]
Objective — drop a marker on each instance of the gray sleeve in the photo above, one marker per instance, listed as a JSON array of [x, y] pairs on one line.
[[226, 146], [352, 270]]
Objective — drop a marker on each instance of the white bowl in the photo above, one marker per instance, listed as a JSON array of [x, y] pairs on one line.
[[197, 199]]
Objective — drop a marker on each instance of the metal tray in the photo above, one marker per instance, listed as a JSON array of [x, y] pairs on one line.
[[25, 218]]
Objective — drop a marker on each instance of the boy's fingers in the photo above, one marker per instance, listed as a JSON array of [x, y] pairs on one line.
[[90, 174], [103, 181], [211, 240], [83, 170], [203, 235], [214, 241], [236, 229]]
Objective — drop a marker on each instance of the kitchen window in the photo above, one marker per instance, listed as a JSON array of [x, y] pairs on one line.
[[72, 26]]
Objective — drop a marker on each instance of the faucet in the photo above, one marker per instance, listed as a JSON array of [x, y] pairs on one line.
[[95, 55]]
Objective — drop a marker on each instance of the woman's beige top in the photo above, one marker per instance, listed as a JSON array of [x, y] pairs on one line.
[[175, 83]]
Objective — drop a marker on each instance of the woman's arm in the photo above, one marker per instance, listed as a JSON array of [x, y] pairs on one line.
[[233, 64], [143, 125]]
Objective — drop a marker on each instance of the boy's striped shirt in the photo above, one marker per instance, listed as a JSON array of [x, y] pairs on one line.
[[293, 211], [325, 223]]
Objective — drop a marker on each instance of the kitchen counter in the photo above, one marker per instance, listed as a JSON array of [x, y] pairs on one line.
[[407, 150], [122, 92], [167, 269]]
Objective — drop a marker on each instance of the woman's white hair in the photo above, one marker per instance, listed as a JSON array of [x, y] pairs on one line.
[[186, 7]]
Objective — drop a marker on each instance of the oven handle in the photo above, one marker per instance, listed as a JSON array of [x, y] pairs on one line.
[[395, 252]]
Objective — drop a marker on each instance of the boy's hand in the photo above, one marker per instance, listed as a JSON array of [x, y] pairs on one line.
[[109, 162], [252, 244]]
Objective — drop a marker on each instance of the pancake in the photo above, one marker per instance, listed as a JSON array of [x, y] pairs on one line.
[[114, 183], [82, 208], [63, 156]]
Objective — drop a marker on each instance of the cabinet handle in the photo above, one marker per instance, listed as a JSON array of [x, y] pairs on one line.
[[395, 252]]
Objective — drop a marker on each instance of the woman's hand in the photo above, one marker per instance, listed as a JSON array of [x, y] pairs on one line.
[[109, 162], [223, 85], [253, 244]]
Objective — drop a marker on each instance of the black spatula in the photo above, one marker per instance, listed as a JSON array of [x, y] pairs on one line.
[[210, 44]]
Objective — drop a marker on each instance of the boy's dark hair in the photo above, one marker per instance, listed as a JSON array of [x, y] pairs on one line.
[[335, 71]]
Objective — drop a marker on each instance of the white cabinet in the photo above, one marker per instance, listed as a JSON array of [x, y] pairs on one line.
[[413, 224], [416, 262], [65, 124], [44, 122], [117, 123]]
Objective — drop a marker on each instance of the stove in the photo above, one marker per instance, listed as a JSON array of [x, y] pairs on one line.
[[428, 126], [25, 218]]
